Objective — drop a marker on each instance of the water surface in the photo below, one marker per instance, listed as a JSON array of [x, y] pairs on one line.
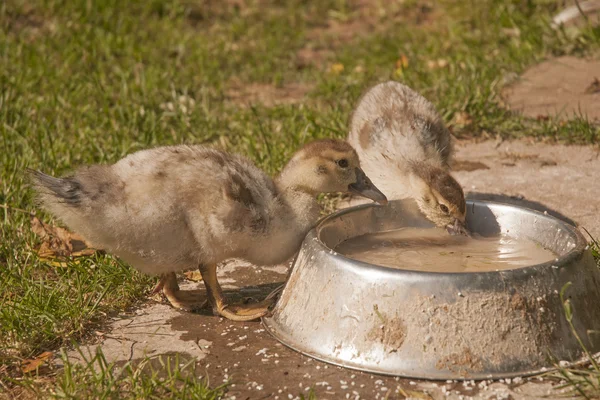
[[435, 250]]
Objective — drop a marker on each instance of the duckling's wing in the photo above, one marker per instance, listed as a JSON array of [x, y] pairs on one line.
[[238, 195], [245, 202], [228, 208]]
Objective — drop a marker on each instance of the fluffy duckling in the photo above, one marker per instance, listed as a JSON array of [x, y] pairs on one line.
[[175, 208], [405, 148]]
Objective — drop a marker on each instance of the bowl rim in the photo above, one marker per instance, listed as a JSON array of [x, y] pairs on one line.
[[580, 247]]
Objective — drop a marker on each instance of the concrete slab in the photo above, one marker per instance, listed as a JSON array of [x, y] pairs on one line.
[[559, 179], [561, 87]]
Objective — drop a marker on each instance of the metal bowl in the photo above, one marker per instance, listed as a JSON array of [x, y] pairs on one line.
[[430, 325]]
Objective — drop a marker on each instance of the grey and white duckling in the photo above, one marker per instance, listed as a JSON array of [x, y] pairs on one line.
[[405, 149], [176, 208]]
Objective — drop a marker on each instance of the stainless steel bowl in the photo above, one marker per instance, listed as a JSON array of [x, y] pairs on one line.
[[440, 325]]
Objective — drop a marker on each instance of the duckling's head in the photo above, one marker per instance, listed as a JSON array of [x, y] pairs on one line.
[[440, 197], [326, 166]]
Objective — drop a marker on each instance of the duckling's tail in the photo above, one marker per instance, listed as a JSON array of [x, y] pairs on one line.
[[66, 191], [76, 200]]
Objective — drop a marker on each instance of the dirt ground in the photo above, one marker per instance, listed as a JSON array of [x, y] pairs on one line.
[[559, 179], [259, 367]]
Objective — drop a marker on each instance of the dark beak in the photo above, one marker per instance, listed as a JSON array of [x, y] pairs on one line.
[[457, 228], [364, 187]]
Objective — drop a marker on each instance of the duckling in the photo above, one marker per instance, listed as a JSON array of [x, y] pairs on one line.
[[405, 148], [175, 208]]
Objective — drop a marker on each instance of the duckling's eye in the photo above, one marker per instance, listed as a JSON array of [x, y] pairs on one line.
[[342, 163], [444, 208]]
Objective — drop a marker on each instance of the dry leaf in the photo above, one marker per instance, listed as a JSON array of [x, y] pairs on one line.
[[195, 276], [35, 363], [401, 65], [58, 242], [412, 394], [402, 62], [336, 68], [55, 239], [462, 118], [58, 264]]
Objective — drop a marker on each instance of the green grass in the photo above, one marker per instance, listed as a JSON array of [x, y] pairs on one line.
[[91, 81], [160, 377], [584, 380]]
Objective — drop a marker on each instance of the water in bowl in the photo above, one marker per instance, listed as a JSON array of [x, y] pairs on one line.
[[435, 250]]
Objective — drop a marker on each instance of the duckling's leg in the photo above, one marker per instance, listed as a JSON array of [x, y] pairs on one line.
[[246, 312], [159, 286], [177, 298]]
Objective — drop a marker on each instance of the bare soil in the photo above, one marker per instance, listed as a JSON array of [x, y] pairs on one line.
[[259, 367], [363, 17], [246, 94]]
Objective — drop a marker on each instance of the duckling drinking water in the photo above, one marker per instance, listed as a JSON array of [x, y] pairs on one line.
[[175, 208], [405, 148]]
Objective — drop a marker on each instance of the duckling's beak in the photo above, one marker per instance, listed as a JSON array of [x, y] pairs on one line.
[[364, 187], [457, 228]]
